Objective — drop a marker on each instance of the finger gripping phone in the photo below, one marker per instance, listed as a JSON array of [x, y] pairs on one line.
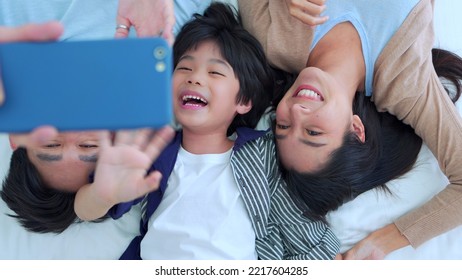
[[84, 85]]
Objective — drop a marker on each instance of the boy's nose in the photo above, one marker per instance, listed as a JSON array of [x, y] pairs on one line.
[[196, 82], [196, 78]]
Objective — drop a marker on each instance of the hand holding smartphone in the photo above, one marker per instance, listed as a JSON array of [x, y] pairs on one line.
[[84, 85]]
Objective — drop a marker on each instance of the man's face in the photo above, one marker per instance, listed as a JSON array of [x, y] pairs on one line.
[[65, 161]]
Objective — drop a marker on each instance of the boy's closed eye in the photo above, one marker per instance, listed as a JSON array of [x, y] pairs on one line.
[[183, 68], [217, 73]]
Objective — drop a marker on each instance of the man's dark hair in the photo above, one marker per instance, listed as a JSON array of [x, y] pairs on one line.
[[37, 207]]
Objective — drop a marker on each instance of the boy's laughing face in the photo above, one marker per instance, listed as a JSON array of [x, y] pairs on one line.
[[205, 90]]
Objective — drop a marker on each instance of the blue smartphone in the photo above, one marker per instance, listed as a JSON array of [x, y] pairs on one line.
[[84, 85]]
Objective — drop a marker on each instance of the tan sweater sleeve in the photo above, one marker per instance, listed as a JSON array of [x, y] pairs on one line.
[[407, 86], [285, 39]]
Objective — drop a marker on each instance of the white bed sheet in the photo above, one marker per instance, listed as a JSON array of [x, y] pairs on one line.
[[374, 209]]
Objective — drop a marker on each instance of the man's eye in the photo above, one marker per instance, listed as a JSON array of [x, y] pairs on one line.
[[88, 146], [281, 126], [312, 132], [54, 145], [183, 68]]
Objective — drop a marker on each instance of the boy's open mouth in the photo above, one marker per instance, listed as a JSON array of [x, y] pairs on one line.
[[193, 100]]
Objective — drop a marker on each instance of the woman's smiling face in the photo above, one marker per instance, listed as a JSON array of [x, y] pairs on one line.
[[311, 121]]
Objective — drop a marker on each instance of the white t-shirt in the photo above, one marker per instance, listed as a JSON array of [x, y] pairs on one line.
[[202, 214]]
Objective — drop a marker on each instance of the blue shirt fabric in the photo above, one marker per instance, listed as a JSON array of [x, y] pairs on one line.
[[376, 22], [282, 232], [84, 20]]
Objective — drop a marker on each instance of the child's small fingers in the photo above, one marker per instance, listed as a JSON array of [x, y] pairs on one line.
[[124, 137], [152, 181], [159, 141], [105, 138], [142, 138]]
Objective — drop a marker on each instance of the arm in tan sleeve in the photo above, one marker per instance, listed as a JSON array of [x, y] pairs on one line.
[[285, 39], [407, 86], [256, 19]]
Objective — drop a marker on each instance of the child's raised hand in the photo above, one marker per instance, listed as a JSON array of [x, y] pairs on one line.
[[120, 174], [122, 165], [307, 11]]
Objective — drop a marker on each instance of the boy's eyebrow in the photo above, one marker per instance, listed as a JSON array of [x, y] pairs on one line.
[[213, 60], [219, 61], [185, 57]]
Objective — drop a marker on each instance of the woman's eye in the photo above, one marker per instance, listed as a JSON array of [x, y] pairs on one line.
[[281, 126], [183, 68], [312, 132]]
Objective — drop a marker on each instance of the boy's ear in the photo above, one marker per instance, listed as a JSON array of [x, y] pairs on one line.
[[358, 128], [244, 108]]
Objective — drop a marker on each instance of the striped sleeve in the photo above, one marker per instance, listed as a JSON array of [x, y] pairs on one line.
[[304, 239], [300, 237]]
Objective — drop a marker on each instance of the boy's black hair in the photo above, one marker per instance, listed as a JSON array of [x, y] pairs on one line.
[[222, 25], [38, 208]]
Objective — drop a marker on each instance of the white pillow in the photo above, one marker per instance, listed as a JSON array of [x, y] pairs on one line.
[[374, 209], [81, 241]]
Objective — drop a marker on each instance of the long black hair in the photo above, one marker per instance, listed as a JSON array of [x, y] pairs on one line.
[[390, 150], [448, 66]]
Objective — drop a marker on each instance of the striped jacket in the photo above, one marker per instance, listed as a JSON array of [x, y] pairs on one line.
[[282, 232]]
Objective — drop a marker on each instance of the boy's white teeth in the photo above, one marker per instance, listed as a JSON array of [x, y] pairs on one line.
[[187, 98], [308, 93]]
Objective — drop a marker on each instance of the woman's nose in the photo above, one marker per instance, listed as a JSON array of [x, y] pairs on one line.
[[299, 113], [300, 109]]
